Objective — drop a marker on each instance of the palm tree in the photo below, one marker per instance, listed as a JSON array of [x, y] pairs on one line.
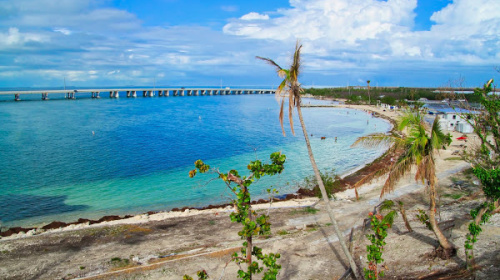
[[291, 86], [368, 85], [418, 150]]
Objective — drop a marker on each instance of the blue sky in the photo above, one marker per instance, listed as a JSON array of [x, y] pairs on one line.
[[187, 42]]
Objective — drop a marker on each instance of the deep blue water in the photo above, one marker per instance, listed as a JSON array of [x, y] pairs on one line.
[[65, 159]]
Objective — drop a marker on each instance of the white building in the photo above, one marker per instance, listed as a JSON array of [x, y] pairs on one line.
[[455, 120]]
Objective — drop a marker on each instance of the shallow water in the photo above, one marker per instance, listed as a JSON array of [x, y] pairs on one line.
[[66, 159]]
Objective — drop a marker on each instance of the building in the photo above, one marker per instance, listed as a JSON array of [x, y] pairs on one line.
[[451, 119]]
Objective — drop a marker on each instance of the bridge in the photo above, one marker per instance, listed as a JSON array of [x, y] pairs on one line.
[[134, 92]]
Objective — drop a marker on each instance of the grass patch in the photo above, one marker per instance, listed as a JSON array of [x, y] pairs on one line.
[[119, 262], [311, 210], [211, 222], [283, 232], [453, 195], [453, 158], [305, 210], [312, 227]]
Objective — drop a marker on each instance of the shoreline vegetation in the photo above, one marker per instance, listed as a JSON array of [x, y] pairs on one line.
[[166, 245], [342, 183]]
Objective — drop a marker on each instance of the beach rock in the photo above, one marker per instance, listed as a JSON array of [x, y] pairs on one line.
[[54, 225], [109, 218], [186, 211], [14, 230]]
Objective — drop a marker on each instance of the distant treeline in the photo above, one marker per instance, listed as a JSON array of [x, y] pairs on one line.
[[390, 95]]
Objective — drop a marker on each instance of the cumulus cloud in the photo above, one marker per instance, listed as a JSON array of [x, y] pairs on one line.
[[88, 41], [345, 20], [465, 31], [15, 38], [254, 16]]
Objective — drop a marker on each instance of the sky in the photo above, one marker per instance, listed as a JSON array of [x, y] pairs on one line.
[[92, 43]]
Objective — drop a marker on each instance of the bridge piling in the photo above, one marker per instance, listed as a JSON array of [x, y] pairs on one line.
[[146, 92]]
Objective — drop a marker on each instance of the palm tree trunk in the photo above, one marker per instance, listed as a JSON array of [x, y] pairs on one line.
[[325, 196], [405, 219], [448, 249]]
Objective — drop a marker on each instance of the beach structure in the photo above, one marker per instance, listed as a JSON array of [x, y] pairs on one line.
[[133, 92], [451, 119]]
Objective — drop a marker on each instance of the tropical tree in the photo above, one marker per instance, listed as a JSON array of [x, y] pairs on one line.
[[291, 88], [368, 86], [418, 150], [485, 159]]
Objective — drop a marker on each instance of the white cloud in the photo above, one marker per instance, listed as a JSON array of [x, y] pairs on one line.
[[63, 31], [14, 37], [254, 16], [466, 31], [85, 40], [344, 20]]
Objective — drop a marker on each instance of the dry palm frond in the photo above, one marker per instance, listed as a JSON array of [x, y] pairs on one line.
[[372, 176], [289, 85], [397, 171], [375, 140]]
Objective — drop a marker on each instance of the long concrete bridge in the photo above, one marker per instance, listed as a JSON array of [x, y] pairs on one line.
[[134, 92]]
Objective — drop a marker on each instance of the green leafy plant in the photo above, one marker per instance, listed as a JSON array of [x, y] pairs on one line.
[[424, 218], [485, 161], [252, 223], [379, 225], [330, 181], [202, 275]]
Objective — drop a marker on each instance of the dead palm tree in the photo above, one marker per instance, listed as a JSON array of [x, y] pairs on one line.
[[418, 151], [291, 88]]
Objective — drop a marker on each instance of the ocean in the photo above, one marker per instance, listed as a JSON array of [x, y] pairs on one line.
[[86, 158]]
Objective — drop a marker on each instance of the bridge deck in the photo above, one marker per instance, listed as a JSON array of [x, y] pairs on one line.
[[127, 89]]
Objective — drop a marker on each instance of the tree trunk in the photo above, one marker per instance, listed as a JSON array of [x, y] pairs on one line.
[[405, 219], [325, 196], [249, 239], [447, 250]]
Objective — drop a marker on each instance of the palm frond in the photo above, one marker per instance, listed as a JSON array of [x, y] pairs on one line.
[[386, 205], [291, 106], [398, 170], [426, 170], [281, 116], [375, 140], [296, 64], [372, 176], [270, 62], [438, 138]]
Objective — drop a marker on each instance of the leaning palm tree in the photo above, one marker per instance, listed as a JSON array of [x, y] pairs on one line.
[[418, 150], [291, 88]]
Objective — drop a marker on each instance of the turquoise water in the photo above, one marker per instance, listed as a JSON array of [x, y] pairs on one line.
[[66, 159]]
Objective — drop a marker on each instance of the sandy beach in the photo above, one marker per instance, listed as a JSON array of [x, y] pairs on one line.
[[168, 245]]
